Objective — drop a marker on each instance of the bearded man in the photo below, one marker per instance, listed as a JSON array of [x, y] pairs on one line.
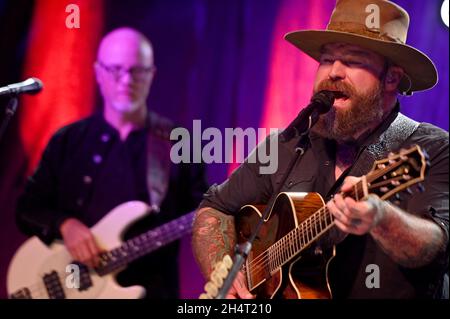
[[381, 250]]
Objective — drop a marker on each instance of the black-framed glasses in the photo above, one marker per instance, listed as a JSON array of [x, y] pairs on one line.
[[138, 73]]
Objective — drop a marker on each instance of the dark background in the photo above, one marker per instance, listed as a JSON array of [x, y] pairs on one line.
[[217, 61]]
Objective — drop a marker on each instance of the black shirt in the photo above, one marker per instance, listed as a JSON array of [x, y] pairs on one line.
[[314, 172], [85, 172]]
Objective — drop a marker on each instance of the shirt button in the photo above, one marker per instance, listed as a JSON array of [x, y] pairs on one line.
[[327, 163], [97, 159], [105, 138], [80, 202], [290, 184], [87, 179]]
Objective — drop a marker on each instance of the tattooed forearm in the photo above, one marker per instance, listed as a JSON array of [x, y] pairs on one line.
[[213, 237], [409, 240]]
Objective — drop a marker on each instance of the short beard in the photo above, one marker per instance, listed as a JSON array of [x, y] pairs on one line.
[[342, 125], [127, 107]]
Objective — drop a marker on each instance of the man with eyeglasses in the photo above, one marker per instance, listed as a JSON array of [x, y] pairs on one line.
[[119, 155]]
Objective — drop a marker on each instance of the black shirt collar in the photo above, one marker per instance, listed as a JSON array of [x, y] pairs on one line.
[[105, 127]]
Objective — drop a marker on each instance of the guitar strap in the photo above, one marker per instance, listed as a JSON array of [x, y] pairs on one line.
[[390, 140], [158, 159]]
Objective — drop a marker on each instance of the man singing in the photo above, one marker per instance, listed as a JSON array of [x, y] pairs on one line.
[[366, 68]]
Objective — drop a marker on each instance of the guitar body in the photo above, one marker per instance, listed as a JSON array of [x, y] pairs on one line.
[[304, 276], [34, 260], [284, 261]]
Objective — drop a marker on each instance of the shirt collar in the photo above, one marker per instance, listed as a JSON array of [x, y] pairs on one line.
[[105, 127]]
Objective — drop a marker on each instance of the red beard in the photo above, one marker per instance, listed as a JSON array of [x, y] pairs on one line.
[[364, 113]]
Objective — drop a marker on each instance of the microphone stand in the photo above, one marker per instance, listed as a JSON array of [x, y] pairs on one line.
[[242, 250], [11, 108]]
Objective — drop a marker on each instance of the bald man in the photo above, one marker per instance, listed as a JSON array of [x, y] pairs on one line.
[[124, 71], [98, 163]]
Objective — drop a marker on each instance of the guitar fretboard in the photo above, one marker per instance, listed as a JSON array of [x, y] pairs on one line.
[[298, 239], [387, 178], [145, 243], [291, 244]]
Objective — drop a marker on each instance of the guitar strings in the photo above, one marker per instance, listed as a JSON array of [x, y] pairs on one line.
[[278, 251], [167, 234], [272, 254], [39, 289], [299, 229]]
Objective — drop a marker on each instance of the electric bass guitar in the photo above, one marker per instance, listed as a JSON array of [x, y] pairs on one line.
[[296, 221], [38, 271]]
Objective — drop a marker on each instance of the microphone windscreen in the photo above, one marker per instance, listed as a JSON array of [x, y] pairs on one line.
[[323, 101]]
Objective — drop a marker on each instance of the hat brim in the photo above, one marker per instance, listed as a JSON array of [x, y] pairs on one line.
[[420, 70]]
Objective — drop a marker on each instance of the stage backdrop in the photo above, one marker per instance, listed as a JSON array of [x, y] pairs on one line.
[[224, 62]]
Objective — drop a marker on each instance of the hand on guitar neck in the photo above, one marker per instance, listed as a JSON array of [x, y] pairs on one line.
[[354, 217], [80, 242]]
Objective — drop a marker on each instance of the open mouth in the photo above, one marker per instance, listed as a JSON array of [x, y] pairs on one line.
[[339, 95]]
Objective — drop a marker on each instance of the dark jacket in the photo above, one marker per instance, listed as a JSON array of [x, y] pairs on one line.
[[85, 172]]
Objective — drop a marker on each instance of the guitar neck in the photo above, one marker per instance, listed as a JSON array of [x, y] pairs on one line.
[[298, 239], [388, 177], [301, 237], [145, 243]]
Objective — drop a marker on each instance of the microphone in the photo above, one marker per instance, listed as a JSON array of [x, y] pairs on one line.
[[29, 86], [321, 102]]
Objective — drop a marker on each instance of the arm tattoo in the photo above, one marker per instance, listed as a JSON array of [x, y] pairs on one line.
[[213, 237], [409, 240]]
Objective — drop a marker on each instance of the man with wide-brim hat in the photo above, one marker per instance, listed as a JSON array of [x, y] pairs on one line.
[[378, 26], [384, 249]]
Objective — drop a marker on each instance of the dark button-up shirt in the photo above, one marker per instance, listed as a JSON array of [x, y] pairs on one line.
[[315, 172], [85, 172]]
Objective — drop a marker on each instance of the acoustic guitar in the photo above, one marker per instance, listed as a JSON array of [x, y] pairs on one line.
[[280, 264]]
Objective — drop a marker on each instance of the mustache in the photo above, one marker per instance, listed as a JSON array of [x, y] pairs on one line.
[[340, 86]]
